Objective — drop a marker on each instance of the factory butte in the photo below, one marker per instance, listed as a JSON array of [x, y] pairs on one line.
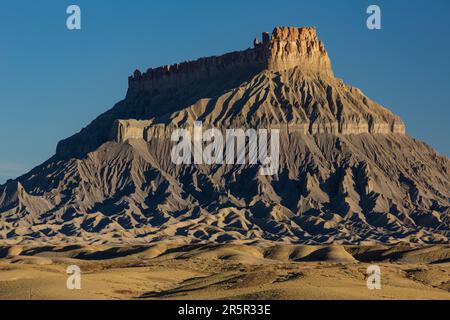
[[348, 171]]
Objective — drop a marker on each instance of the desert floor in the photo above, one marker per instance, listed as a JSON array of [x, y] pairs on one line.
[[229, 271]]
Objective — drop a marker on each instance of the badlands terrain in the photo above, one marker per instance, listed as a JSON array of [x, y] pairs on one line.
[[353, 188], [348, 171], [229, 271]]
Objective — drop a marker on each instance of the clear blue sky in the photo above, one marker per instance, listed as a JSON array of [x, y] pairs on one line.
[[54, 81]]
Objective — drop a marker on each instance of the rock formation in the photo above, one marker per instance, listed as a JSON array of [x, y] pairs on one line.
[[349, 173], [286, 49]]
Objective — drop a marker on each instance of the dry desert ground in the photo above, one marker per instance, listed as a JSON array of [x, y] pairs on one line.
[[224, 271]]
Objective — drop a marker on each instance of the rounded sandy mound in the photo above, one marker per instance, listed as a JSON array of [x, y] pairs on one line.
[[236, 252], [12, 251], [287, 252], [330, 254]]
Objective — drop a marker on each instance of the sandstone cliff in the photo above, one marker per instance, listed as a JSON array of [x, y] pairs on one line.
[[286, 49]]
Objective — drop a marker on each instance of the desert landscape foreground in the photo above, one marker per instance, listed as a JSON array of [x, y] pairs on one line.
[[169, 270]]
